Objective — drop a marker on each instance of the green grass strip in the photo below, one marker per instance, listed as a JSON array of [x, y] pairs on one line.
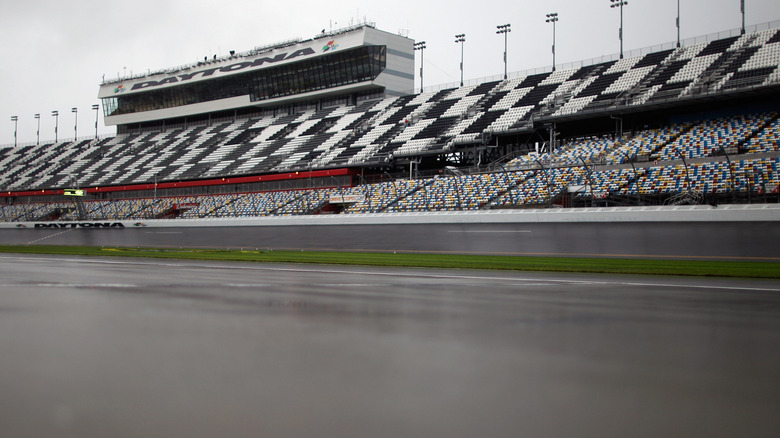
[[749, 269]]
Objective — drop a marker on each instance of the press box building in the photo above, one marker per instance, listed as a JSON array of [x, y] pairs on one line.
[[333, 68]]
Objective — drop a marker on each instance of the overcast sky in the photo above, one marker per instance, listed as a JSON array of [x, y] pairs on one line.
[[57, 52]]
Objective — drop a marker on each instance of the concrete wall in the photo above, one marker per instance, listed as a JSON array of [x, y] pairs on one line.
[[698, 213]]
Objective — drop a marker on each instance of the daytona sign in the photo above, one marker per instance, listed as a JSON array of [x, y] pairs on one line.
[[82, 225], [226, 69]]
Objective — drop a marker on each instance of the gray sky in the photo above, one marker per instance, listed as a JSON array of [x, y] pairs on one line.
[[57, 52]]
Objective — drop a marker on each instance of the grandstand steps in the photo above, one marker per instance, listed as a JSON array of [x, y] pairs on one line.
[[511, 183], [655, 79], [410, 120], [299, 196], [268, 144], [339, 156], [320, 126], [286, 146], [480, 114], [268, 134], [191, 156], [236, 156], [324, 153], [190, 171], [484, 91], [244, 137], [316, 202], [20, 174], [54, 214], [309, 149], [764, 123], [132, 176], [217, 155], [213, 142], [336, 150], [519, 194], [634, 180], [144, 208], [430, 137], [383, 145], [580, 89], [669, 82], [399, 197], [105, 166], [283, 132], [387, 108], [218, 209], [362, 132], [498, 164], [654, 153], [216, 170], [539, 84], [767, 139], [631, 73], [267, 164], [750, 65], [368, 145], [151, 174], [426, 134], [723, 67]]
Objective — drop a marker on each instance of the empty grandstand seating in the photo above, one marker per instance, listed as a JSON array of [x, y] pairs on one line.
[[378, 131], [446, 193], [375, 131]]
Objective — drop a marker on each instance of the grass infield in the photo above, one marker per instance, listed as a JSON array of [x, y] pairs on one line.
[[448, 261]]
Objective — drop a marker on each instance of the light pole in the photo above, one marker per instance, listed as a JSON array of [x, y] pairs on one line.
[[742, 9], [421, 47], [553, 18], [56, 115], [678, 23], [38, 132], [461, 38], [75, 123], [619, 4], [96, 107], [505, 29], [15, 119]]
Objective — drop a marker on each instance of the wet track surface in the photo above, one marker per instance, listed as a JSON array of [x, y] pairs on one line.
[[688, 240], [118, 347]]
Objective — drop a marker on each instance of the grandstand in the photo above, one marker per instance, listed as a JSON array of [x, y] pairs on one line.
[[694, 124]]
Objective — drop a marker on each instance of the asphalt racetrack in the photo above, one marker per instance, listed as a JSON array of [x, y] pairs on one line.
[[115, 347], [683, 240]]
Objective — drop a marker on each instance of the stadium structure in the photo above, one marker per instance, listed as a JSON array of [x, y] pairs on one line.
[[330, 125]]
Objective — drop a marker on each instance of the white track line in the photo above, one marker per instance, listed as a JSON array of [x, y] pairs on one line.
[[409, 273]]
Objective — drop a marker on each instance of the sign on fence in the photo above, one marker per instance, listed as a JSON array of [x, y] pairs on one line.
[[346, 199]]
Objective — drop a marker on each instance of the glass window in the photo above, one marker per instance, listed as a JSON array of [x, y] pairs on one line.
[[341, 68]]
